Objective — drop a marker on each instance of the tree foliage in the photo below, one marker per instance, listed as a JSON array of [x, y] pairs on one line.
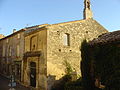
[[103, 62]]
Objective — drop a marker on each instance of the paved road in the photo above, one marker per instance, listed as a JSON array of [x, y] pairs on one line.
[[4, 84]]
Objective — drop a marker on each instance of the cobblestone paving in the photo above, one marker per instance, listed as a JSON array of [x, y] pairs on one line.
[[4, 84]]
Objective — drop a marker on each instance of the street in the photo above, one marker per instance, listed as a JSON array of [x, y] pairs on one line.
[[4, 84]]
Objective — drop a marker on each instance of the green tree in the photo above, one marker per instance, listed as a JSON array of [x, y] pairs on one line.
[[68, 67]]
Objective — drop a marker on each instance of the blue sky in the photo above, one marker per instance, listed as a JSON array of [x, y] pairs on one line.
[[17, 14]]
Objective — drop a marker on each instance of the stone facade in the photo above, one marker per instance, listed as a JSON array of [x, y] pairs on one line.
[[35, 55], [49, 40], [57, 52], [12, 48]]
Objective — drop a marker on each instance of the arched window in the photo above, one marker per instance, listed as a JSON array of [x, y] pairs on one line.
[[10, 51], [66, 39], [3, 51], [18, 50], [18, 36], [33, 43]]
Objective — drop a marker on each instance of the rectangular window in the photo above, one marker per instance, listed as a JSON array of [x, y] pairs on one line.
[[18, 36], [18, 50], [7, 40], [3, 51], [66, 39], [10, 51], [33, 43]]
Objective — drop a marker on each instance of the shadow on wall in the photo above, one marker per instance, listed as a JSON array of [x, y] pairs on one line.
[[61, 83], [50, 81], [87, 67]]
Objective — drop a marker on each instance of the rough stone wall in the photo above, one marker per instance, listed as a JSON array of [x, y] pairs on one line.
[[57, 52]]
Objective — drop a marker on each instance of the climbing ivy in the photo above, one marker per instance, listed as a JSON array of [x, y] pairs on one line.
[[103, 62], [107, 65]]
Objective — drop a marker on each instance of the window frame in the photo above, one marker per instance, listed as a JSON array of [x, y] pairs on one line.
[[66, 39], [18, 35], [18, 51]]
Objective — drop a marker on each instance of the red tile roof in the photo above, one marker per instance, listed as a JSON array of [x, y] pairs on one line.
[[110, 37]]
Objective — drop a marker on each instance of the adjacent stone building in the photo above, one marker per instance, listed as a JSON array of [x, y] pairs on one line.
[[107, 38], [35, 56], [12, 48]]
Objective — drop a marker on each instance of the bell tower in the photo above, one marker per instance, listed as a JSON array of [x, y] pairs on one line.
[[87, 13]]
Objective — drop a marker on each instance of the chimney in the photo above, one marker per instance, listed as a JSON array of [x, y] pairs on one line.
[[14, 30]]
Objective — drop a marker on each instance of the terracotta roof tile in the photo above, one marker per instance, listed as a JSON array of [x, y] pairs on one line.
[[105, 38]]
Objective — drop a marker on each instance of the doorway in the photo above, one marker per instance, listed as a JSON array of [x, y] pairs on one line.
[[33, 74], [18, 70]]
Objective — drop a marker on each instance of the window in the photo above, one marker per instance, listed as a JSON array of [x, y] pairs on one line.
[[7, 40], [33, 43], [66, 39], [3, 51], [10, 51], [18, 50], [18, 36]]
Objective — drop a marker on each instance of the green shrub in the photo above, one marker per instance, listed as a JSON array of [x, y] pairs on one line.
[[66, 83], [68, 68]]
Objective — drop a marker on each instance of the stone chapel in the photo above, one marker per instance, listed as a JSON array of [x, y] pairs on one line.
[[47, 46]]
